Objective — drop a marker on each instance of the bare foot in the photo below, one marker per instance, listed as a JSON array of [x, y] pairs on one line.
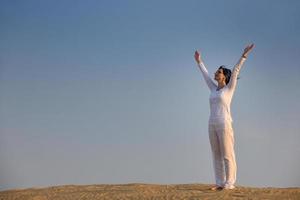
[[216, 188], [229, 187]]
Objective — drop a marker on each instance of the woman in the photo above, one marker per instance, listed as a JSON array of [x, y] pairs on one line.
[[220, 121]]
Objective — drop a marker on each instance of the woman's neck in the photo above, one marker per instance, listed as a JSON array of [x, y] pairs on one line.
[[221, 85]]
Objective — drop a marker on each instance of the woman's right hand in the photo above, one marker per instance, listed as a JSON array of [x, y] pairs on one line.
[[197, 57], [247, 50]]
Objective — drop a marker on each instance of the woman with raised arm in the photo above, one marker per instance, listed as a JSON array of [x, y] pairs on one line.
[[220, 129]]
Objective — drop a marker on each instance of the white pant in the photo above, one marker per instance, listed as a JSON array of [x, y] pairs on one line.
[[222, 145]]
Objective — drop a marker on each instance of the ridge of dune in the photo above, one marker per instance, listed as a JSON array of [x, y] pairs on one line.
[[147, 191]]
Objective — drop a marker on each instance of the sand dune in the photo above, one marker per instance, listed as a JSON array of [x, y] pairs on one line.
[[147, 191]]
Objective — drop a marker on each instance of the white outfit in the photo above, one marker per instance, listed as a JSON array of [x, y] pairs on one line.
[[220, 127]]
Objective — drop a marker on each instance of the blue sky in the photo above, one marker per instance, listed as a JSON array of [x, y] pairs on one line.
[[108, 91]]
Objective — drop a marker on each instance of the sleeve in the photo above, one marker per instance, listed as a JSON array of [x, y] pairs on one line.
[[211, 85], [235, 73]]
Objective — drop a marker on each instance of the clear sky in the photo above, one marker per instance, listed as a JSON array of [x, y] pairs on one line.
[[108, 91]]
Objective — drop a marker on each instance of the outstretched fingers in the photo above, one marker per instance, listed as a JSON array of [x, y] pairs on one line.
[[197, 56]]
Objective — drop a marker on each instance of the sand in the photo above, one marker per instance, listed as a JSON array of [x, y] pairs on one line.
[[147, 191]]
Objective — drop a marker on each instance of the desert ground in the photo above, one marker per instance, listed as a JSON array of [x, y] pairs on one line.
[[142, 191]]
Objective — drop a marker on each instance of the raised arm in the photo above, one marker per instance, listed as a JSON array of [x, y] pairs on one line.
[[237, 67], [211, 85]]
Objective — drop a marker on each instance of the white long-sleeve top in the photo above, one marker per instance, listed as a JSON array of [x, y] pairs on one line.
[[220, 100]]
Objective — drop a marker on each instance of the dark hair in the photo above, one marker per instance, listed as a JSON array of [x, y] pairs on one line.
[[226, 72]]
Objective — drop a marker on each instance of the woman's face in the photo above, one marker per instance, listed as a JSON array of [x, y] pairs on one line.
[[219, 75]]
